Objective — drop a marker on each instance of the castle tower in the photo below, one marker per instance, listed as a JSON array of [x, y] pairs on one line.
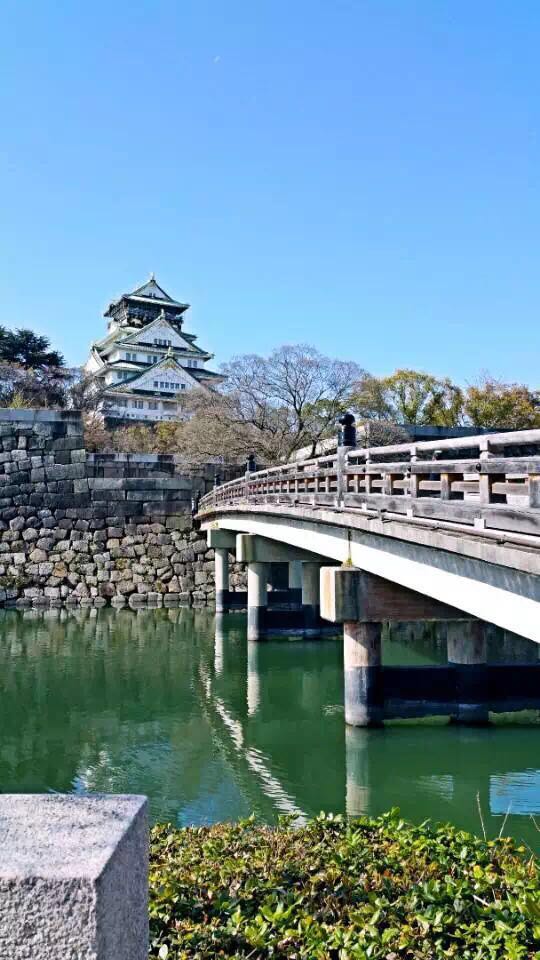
[[147, 359]]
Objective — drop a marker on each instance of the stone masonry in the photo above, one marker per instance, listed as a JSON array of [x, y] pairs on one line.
[[94, 529]]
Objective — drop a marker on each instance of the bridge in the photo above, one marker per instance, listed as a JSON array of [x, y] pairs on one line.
[[439, 530]]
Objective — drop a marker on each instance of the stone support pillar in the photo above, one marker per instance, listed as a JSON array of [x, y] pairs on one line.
[[364, 704], [257, 582], [467, 652], [221, 562], [311, 597], [295, 581]]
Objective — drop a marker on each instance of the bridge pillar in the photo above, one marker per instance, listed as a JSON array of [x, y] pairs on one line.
[[363, 687], [221, 561], [341, 602], [221, 541], [311, 597], [295, 581], [257, 583], [466, 642]]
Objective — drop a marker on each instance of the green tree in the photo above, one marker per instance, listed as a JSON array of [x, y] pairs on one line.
[[28, 349], [409, 396], [492, 403]]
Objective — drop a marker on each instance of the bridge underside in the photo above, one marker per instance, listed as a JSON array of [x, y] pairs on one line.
[[494, 581]]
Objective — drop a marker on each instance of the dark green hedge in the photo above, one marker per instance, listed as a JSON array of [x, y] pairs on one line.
[[371, 888]]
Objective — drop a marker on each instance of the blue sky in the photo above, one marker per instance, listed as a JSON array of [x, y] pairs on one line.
[[363, 176]]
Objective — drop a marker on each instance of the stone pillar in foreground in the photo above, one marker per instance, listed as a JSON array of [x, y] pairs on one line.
[[295, 581], [311, 597], [467, 652], [73, 877], [257, 582]]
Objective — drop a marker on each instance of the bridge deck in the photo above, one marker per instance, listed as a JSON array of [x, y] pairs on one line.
[[464, 530]]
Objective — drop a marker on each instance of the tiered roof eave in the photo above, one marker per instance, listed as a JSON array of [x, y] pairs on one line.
[[149, 293]]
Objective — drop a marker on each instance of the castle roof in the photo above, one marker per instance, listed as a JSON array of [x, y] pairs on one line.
[[141, 380], [149, 292]]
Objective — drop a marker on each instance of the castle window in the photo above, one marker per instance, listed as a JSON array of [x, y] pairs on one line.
[[139, 404], [161, 343], [131, 356]]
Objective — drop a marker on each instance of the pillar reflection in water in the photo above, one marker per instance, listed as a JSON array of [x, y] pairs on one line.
[[357, 789], [253, 678], [219, 643]]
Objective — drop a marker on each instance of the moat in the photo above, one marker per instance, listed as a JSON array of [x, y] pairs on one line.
[[211, 729]]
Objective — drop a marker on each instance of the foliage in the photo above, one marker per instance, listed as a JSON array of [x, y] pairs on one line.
[[96, 436], [331, 890], [409, 396], [28, 350], [40, 387], [492, 403]]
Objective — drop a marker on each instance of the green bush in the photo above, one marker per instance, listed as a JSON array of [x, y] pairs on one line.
[[370, 888]]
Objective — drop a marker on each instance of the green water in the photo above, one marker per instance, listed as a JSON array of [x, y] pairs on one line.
[[151, 702]]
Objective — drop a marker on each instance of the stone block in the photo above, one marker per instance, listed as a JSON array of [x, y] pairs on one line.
[[340, 588], [73, 877]]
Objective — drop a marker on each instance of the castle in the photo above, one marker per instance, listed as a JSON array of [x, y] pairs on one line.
[[147, 359]]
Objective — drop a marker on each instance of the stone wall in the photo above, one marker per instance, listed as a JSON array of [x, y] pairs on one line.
[[92, 529]]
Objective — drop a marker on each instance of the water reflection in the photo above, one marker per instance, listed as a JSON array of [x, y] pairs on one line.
[[177, 705]]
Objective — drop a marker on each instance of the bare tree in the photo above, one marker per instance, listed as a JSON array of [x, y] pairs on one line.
[[288, 400], [85, 393], [27, 387]]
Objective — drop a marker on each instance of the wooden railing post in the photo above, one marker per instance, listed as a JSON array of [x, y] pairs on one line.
[[534, 490], [484, 447], [341, 466], [367, 485], [413, 477], [446, 484]]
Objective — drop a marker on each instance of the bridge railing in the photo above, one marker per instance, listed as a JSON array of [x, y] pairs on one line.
[[491, 480]]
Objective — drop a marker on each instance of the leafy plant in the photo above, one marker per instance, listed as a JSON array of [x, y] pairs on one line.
[[338, 890]]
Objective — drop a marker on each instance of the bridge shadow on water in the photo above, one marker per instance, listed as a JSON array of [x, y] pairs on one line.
[[212, 728]]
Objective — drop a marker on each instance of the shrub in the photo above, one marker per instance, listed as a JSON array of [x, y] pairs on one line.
[[337, 890]]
